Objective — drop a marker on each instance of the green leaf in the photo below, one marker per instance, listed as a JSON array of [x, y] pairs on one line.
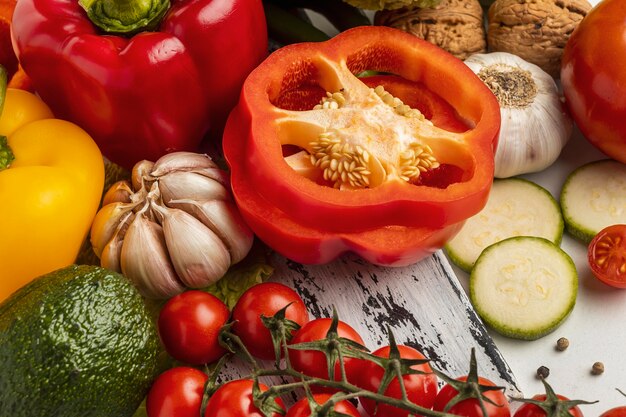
[[249, 272]]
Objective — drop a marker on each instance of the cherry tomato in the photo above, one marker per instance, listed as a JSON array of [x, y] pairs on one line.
[[265, 299], [176, 392], [607, 255], [189, 326], [615, 412], [313, 363], [234, 399], [421, 389], [531, 410], [302, 409], [471, 407], [594, 80]]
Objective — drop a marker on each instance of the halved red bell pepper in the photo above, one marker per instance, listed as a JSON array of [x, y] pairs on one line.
[[323, 162], [140, 91]]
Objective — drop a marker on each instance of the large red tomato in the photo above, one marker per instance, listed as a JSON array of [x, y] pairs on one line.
[[594, 80], [421, 389], [312, 362], [471, 407], [265, 299], [234, 399], [531, 410], [189, 326], [302, 408], [615, 412], [176, 392]]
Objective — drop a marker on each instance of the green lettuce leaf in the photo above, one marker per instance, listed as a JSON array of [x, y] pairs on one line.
[[252, 270]]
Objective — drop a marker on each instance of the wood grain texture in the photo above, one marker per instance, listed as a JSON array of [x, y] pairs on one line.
[[423, 304]]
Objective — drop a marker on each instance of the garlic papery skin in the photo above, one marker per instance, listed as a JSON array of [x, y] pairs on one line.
[[163, 247], [534, 124], [198, 255], [106, 222], [181, 161], [145, 261], [185, 184], [223, 218]]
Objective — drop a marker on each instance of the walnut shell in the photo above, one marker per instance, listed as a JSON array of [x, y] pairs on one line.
[[535, 30], [454, 25]]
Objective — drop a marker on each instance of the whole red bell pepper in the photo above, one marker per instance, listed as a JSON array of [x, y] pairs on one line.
[[142, 77], [324, 161]]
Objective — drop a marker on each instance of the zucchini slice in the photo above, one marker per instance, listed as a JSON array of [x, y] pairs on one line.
[[524, 287], [594, 197], [516, 207]]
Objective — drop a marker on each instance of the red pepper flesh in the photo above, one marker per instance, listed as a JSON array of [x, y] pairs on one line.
[[396, 222], [152, 93]]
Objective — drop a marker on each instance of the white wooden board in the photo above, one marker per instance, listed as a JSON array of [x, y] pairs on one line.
[[424, 305]]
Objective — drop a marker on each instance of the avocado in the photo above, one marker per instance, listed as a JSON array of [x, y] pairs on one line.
[[78, 342]]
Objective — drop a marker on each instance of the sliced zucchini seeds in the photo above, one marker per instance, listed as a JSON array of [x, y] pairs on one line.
[[524, 287], [349, 166], [515, 207], [594, 197]]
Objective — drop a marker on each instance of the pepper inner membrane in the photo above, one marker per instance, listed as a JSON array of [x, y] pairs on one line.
[[352, 133]]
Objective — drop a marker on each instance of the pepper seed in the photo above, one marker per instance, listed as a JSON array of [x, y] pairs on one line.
[[562, 344], [597, 368], [543, 372]]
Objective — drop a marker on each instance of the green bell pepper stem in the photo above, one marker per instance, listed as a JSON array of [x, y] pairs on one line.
[[6, 155], [125, 17]]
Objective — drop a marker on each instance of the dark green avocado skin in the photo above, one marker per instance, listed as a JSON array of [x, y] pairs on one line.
[[78, 342]]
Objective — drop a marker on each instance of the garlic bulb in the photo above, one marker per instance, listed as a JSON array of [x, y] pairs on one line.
[[173, 226], [534, 127]]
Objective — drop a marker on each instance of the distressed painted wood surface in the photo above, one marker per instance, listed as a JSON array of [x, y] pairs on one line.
[[423, 304]]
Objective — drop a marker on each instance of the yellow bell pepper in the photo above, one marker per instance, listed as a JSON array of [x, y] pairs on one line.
[[51, 182]]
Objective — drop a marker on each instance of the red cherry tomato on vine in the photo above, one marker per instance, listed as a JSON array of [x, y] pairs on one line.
[[421, 389], [594, 80], [471, 406], [531, 410], [189, 326], [313, 363], [607, 255], [302, 409], [265, 299], [234, 399], [615, 412], [176, 392]]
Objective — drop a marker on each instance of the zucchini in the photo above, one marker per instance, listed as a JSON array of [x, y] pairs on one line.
[[594, 197], [524, 287], [515, 207]]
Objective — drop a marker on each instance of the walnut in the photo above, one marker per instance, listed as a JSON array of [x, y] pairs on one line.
[[535, 30], [454, 25]]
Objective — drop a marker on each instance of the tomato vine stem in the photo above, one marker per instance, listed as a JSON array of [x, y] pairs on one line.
[[336, 349]]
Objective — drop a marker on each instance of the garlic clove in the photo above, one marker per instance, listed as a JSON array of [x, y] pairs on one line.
[[112, 252], [181, 161], [185, 184], [141, 174], [145, 260], [198, 255], [216, 174], [106, 222], [120, 192], [224, 219]]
